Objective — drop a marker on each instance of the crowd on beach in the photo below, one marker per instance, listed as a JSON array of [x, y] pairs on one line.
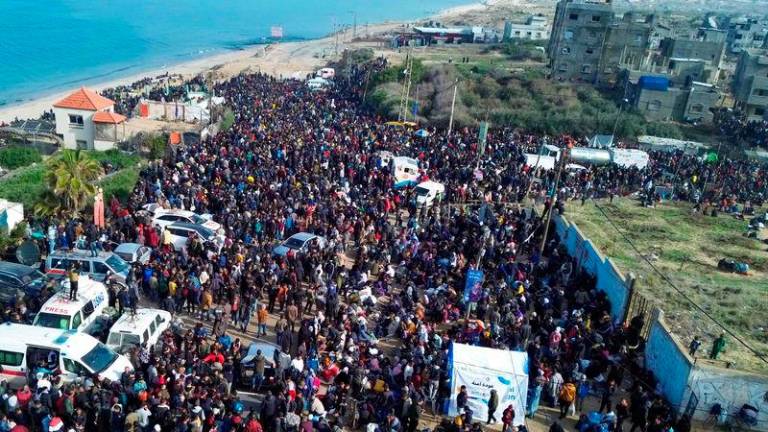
[[363, 323]]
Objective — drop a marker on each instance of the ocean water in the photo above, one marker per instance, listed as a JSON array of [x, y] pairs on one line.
[[52, 45]]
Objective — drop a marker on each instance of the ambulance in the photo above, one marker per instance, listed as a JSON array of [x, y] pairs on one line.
[[59, 312], [28, 350]]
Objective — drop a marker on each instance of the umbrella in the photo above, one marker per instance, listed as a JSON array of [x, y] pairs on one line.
[[421, 133]]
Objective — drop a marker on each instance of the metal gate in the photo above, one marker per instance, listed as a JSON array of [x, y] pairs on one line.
[[690, 408], [639, 304]]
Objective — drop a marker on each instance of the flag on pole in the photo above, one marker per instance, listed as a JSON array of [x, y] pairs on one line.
[[482, 136], [276, 32]]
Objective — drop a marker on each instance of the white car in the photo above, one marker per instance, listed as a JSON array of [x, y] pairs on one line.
[[162, 217], [299, 243], [181, 231], [143, 327]]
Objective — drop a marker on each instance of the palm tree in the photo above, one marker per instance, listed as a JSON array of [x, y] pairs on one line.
[[71, 180]]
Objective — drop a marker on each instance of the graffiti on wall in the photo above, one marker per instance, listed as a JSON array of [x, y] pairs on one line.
[[731, 390]]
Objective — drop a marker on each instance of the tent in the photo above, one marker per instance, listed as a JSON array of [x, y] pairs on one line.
[[482, 369]]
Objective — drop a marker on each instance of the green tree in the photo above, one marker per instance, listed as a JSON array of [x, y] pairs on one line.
[[71, 181]]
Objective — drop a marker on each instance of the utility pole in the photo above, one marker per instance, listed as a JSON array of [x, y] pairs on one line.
[[552, 201], [453, 106], [402, 114]]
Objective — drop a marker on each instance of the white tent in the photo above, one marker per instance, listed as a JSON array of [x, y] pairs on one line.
[[483, 369]]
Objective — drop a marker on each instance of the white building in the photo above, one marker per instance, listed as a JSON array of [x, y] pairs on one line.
[[535, 27], [86, 120]]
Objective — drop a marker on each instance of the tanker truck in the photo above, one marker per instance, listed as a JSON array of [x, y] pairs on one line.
[[549, 155]]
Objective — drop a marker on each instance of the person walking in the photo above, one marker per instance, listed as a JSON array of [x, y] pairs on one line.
[[493, 403], [694, 346], [566, 397], [261, 316], [507, 418], [718, 346], [74, 276]]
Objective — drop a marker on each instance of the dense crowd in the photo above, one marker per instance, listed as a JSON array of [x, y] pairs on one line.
[[363, 323], [736, 127]]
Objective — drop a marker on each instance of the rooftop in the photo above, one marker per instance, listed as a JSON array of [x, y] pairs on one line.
[[84, 99], [108, 117]]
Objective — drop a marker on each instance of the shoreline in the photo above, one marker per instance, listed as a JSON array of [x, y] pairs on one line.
[[287, 59]]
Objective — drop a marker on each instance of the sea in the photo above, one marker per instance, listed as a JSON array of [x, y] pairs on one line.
[[53, 45]]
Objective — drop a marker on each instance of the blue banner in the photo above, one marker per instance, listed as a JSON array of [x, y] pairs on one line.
[[473, 286]]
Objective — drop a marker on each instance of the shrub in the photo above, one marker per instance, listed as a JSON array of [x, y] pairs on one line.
[[116, 158], [120, 184], [157, 145], [25, 185], [16, 157]]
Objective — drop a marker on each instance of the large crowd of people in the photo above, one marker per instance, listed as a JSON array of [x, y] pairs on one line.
[[363, 322]]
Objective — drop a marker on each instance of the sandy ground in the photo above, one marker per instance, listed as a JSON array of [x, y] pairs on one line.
[[297, 59]]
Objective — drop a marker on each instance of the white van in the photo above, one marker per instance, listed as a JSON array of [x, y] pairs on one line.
[[405, 170], [61, 313], [145, 326], [429, 192], [25, 350]]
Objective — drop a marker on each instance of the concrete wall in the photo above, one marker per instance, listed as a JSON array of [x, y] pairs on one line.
[[669, 363], [609, 278], [729, 388]]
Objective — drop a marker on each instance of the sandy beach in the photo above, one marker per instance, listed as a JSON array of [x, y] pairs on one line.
[[290, 59]]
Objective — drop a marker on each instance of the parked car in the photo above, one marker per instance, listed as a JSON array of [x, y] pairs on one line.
[[80, 315], [268, 351], [97, 267], [163, 217], [181, 231], [70, 354], [18, 281], [299, 243], [143, 327], [133, 253]]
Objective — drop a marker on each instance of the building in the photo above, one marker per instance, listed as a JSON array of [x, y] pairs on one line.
[[750, 84], [578, 35], [86, 120], [535, 27], [747, 32], [658, 100], [626, 46], [699, 58]]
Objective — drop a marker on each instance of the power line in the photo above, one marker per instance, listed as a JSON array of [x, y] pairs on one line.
[[678, 290]]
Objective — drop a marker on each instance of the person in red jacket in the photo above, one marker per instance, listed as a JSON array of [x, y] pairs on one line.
[[214, 357]]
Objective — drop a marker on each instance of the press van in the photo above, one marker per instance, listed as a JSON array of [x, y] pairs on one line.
[[27, 350], [59, 312]]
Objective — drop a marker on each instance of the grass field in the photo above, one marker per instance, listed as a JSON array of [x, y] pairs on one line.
[[686, 248]]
